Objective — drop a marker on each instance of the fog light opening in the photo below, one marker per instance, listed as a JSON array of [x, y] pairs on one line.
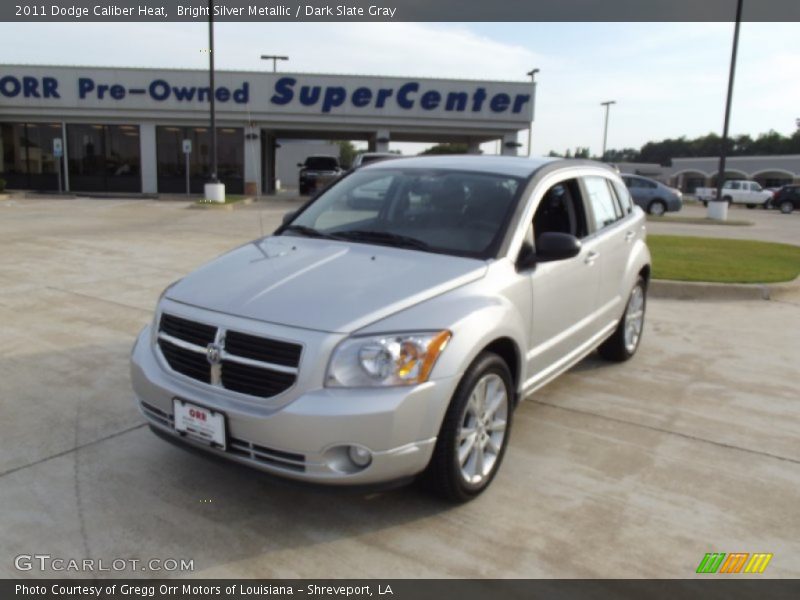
[[360, 456]]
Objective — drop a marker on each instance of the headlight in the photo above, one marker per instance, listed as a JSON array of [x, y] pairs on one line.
[[386, 360]]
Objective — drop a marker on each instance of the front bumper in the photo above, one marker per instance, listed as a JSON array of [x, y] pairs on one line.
[[301, 437]]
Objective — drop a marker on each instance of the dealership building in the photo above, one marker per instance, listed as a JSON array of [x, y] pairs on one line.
[[133, 130]]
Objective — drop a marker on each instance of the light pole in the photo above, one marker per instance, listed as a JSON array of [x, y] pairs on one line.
[[274, 58], [717, 209], [214, 190], [607, 104], [532, 75]]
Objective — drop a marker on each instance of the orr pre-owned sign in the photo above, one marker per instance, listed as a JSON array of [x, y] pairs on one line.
[[274, 94]]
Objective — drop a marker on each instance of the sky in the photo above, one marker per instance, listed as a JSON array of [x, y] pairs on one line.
[[668, 79]]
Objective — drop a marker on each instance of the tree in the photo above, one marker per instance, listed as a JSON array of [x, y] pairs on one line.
[[347, 152], [455, 148]]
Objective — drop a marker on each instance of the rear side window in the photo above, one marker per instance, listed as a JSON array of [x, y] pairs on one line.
[[624, 197], [605, 209]]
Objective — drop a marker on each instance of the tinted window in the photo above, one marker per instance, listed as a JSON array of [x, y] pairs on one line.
[[452, 212], [321, 163], [604, 207]]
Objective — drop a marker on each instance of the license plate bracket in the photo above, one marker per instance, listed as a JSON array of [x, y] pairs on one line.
[[200, 423]]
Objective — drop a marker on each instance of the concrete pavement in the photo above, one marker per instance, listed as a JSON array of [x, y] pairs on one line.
[[633, 470]]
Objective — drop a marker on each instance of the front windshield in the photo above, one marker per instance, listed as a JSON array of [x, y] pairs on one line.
[[321, 163], [452, 212]]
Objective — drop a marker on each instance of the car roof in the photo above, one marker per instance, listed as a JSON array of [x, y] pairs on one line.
[[513, 166]]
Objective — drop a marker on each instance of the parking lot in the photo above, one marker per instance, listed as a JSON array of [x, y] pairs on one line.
[[633, 470]]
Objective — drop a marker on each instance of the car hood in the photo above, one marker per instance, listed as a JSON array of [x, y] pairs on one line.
[[323, 285]]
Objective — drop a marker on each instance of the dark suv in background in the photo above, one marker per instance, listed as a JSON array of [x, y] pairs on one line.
[[317, 172]]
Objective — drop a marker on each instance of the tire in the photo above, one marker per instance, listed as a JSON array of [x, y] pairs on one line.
[[751, 206], [727, 199], [619, 347], [705, 203], [657, 208], [786, 207], [765, 206], [447, 476]]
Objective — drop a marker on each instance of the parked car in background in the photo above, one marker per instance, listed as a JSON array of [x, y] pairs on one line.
[[737, 191], [316, 172], [787, 198], [653, 196], [377, 336], [366, 158]]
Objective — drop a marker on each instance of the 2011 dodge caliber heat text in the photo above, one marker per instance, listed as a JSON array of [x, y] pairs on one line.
[[390, 326]]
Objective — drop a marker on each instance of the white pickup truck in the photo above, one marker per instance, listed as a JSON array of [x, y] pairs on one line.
[[737, 191]]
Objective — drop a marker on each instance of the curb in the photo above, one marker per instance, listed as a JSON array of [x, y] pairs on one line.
[[691, 290]]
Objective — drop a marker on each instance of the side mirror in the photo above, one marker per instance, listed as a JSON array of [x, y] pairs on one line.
[[552, 246], [289, 216], [301, 165], [527, 257]]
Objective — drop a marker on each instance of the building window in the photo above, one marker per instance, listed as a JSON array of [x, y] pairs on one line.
[[104, 158], [27, 160], [172, 161]]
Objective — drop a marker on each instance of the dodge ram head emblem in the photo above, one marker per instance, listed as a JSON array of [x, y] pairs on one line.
[[213, 354]]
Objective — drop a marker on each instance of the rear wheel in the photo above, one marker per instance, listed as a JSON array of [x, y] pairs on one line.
[[751, 206], [475, 430], [626, 337], [786, 206], [657, 208], [705, 203]]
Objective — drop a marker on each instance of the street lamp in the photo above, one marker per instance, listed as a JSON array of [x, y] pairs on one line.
[[532, 75], [719, 210], [274, 58], [607, 104], [214, 190]]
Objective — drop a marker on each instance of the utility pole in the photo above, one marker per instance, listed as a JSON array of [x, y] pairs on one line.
[[717, 209], [214, 190], [607, 104], [532, 75]]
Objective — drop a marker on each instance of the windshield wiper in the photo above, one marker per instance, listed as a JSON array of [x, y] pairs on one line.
[[309, 231], [383, 237]]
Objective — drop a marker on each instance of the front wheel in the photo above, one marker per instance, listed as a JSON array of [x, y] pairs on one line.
[[475, 430], [626, 337], [705, 203]]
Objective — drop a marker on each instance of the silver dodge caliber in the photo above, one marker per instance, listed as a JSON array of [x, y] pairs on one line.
[[390, 326]]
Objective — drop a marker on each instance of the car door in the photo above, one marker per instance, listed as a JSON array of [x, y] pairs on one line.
[[563, 319], [612, 232]]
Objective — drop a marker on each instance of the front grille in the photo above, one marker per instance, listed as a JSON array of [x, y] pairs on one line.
[[257, 348], [248, 364], [254, 381], [262, 454], [188, 331], [191, 364]]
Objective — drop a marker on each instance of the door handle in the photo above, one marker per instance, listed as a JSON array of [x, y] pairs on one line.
[[629, 236], [591, 257]]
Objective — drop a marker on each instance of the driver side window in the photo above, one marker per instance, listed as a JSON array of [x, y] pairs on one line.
[[560, 210]]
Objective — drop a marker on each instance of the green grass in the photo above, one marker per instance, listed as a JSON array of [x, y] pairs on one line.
[[685, 258], [697, 220]]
